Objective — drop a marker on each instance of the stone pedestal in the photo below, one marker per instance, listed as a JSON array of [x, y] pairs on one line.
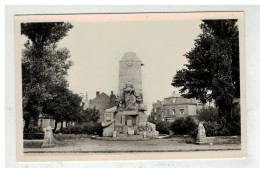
[[108, 130], [109, 122], [142, 119], [48, 138], [201, 136]]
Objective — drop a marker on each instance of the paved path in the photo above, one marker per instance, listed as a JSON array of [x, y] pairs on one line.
[[87, 145]]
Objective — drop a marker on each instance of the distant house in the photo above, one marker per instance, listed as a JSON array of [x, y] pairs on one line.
[[45, 120], [102, 102], [174, 107]]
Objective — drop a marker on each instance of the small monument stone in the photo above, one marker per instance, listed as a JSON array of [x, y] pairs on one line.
[[48, 137], [201, 136]]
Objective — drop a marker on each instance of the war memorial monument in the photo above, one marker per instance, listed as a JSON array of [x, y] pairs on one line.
[[127, 120]]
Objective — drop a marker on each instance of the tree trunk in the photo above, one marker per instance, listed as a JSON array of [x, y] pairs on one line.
[[55, 126], [27, 122], [35, 122], [61, 126]]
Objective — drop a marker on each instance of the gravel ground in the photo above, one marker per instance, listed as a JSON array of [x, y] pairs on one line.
[[87, 145]]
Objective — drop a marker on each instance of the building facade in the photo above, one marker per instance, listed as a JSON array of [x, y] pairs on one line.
[[174, 107], [102, 102]]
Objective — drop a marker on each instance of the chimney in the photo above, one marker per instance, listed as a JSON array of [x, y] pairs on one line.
[[112, 93], [98, 94]]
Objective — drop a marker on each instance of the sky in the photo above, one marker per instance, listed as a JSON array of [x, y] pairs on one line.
[[96, 49], [98, 42]]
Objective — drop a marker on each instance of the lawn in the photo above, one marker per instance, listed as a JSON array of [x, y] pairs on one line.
[[84, 144]]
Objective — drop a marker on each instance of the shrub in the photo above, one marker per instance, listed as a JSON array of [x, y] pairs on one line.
[[194, 133], [234, 128], [190, 125], [224, 132], [98, 129], [33, 133], [212, 128], [177, 126], [213, 125], [86, 128], [33, 130], [235, 125], [208, 115], [183, 126], [66, 130], [163, 127]]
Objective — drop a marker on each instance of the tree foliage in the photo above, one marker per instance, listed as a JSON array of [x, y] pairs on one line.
[[63, 106], [43, 65], [212, 71], [90, 115], [208, 114], [182, 126], [213, 122], [44, 34]]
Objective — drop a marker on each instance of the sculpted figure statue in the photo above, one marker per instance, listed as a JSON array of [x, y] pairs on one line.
[[130, 101], [130, 98]]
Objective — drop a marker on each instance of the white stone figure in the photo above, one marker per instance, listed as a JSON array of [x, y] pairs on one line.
[[48, 137], [201, 136]]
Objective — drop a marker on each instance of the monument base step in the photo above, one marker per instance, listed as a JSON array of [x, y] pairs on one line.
[[127, 135], [123, 138], [202, 143]]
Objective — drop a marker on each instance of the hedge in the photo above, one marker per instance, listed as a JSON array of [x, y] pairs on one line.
[[33, 133], [86, 128]]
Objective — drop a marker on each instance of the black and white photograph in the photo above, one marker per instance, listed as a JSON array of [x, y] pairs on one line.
[[133, 84]]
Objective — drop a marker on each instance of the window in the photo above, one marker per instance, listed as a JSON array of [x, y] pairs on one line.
[[181, 111], [168, 111], [173, 111]]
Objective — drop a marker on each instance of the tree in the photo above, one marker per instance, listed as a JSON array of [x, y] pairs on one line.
[[43, 66], [208, 115], [64, 106], [183, 126], [212, 71], [90, 115]]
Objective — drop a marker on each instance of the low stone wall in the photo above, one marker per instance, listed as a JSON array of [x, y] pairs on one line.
[[224, 140], [32, 143]]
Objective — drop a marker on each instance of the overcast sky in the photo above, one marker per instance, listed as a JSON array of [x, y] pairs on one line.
[[96, 49], [98, 42]]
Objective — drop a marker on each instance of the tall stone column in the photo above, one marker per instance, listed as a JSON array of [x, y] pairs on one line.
[[130, 73]]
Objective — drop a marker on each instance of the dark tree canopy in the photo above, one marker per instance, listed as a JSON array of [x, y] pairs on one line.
[[43, 65], [90, 115], [212, 71], [44, 34], [64, 106]]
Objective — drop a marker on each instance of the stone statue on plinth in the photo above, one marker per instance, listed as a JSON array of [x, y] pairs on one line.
[[201, 135], [48, 137], [128, 117]]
